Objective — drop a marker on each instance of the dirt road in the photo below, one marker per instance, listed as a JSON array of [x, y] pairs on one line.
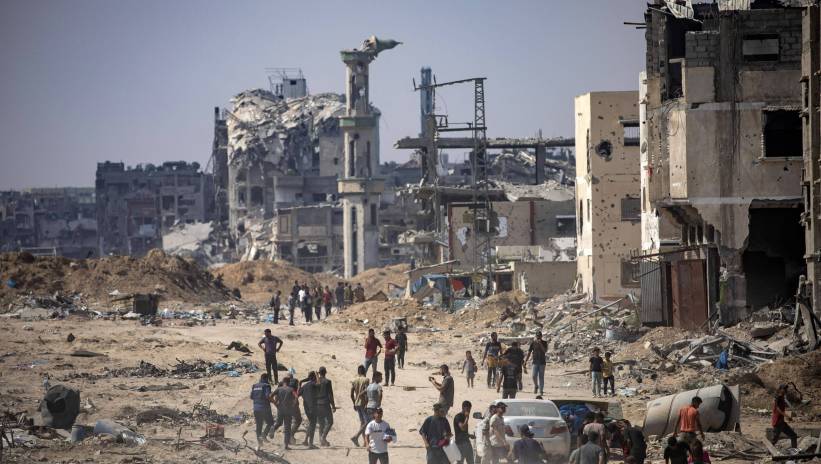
[[32, 349]]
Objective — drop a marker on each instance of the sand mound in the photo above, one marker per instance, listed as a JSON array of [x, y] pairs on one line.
[[258, 280], [174, 278], [376, 279]]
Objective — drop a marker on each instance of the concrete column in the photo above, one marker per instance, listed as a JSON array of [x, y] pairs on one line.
[[347, 237]]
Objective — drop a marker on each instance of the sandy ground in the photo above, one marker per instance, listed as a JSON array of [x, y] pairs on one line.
[[306, 347]]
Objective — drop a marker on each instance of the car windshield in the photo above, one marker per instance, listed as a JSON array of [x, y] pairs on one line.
[[532, 409]]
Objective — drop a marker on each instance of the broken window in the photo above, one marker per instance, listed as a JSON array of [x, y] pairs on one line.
[[565, 224], [630, 133], [630, 209], [782, 134], [318, 197], [256, 196], [580, 215], [761, 47], [373, 214], [630, 274]]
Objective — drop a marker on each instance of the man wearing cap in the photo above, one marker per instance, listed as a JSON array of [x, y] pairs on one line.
[[390, 358], [445, 388], [271, 344], [527, 450], [436, 435], [498, 443], [688, 422], [377, 436], [325, 406], [538, 349]]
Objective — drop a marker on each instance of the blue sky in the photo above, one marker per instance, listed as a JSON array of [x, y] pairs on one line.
[[83, 81]]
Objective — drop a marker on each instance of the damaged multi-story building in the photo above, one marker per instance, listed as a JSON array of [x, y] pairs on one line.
[[721, 160], [607, 193], [49, 221], [137, 205]]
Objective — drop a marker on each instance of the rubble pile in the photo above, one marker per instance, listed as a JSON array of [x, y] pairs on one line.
[[205, 243], [381, 279], [196, 369], [94, 280]]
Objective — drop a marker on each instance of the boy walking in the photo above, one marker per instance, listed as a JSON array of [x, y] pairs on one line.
[[596, 364]]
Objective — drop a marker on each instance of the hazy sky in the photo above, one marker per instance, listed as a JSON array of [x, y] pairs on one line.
[[83, 81]]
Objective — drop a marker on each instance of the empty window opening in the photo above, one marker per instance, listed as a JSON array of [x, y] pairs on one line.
[[630, 209], [373, 214], [761, 47], [631, 133], [783, 136], [630, 274], [256, 196]]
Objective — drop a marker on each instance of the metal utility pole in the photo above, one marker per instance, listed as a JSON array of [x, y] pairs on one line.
[[481, 207]]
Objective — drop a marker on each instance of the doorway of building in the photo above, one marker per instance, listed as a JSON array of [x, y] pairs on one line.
[[774, 257]]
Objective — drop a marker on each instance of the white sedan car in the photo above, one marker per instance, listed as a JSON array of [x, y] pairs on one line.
[[544, 420]]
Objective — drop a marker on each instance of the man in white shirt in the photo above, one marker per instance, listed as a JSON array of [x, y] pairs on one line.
[[377, 439], [499, 448]]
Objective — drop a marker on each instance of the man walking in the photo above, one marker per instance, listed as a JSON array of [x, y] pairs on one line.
[[325, 406], [285, 400], [507, 379], [377, 437], [591, 452], [516, 356], [359, 399], [339, 292], [538, 349], [435, 432], [271, 344], [402, 342], [461, 432], [372, 349], [498, 443], [779, 418], [292, 301], [261, 396], [327, 300], [390, 358], [308, 393], [445, 388], [276, 301], [374, 394], [689, 422], [526, 450], [491, 355]]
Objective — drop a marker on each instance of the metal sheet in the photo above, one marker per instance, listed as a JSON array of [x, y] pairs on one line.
[[655, 293], [689, 309]]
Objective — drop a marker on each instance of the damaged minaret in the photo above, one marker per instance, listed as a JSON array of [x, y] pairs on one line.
[[358, 188]]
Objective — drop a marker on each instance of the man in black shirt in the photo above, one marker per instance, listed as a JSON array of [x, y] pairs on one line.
[[462, 435], [275, 303], [676, 451], [436, 435], [596, 363], [516, 356], [538, 349], [325, 406], [507, 379], [402, 341]]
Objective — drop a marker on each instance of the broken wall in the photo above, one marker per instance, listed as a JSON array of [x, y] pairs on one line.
[[517, 223], [544, 280], [608, 206]]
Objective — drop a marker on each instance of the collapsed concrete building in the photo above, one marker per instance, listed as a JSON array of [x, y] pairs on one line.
[[607, 193], [721, 160], [135, 206], [49, 221]]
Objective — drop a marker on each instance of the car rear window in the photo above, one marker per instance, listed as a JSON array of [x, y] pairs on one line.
[[534, 409]]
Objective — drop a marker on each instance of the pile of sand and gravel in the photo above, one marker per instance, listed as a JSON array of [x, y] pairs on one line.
[[174, 278]]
